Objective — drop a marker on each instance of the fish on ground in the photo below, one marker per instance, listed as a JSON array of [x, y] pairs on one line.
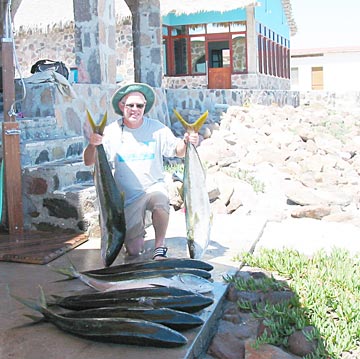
[[149, 273], [112, 330], [175, 319], [198, 215], [111, 202], [185, 281], [191, 303], [166, 263]]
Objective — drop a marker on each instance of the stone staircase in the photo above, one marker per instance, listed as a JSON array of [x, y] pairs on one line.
[[58, 189]]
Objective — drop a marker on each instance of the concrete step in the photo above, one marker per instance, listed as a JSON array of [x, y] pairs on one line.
[[39, 128], [58, 194], [34, 153]]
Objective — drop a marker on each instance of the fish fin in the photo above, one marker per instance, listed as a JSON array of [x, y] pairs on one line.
[[192, 126]]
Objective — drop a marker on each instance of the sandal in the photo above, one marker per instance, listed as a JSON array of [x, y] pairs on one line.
[[160, 252]]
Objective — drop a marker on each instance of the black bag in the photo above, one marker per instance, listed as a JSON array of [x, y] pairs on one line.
[[56, 66]]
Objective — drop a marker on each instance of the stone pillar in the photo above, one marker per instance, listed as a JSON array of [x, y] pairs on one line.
[[95, 41], [251, 40], [147, 40]]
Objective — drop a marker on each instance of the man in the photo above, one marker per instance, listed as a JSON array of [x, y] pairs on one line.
[[136, 145]]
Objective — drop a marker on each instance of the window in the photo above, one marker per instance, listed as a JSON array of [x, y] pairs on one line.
[[294, 76], [317, 78], [188, 49], [217, 28], [178, 30], [198, 62], [273, 55], [239, 52], [197, 29], [180, 56]]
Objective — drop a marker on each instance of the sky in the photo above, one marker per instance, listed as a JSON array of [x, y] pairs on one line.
[[320, 23], [326, 23]]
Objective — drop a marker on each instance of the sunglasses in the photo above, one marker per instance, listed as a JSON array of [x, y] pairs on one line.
[[137, 105]]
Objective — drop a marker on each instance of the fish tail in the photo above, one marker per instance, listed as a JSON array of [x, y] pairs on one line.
[[42, 298], [200, 121], [97, 128], [102, 124], [27, 302], [70, 272], [91, 121], [181, 119], [192, 126]]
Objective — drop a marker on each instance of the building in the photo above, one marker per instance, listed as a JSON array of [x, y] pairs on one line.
[[226, 46], [326, 69]]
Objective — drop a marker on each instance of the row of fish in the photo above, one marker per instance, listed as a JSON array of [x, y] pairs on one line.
[[152, 314]]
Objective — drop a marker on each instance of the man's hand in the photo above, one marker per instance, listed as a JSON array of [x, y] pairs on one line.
[[192, 137]]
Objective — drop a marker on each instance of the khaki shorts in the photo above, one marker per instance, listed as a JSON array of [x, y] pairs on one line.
[[138, 213]]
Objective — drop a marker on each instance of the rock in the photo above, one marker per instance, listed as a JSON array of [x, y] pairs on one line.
[[299, 344], [316, 212], [265, 351], [225, 346]]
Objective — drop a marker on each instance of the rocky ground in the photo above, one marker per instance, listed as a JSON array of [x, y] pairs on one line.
[[283, 163], [297, 162]]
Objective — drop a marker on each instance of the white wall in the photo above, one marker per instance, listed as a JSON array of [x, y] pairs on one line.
[[341, 71]]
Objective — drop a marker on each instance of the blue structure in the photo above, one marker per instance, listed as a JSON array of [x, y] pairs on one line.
[[241, 48]]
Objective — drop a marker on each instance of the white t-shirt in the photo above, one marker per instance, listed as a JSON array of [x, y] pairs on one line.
[[137, 156]]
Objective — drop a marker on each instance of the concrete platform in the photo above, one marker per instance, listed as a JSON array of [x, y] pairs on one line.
[[21, 339], [231, 235]]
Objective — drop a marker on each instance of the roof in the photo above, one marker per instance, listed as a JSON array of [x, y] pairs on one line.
[[36, 11], [324, 50], [191, 7]]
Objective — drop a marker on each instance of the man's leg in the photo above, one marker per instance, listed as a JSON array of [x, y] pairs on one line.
[[159, 206]]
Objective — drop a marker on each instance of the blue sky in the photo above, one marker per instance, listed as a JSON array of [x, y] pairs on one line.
[[326, 23]]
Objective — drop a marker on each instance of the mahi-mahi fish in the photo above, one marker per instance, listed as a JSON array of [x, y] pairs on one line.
[[111, 202], [185, 281], [198, 215]]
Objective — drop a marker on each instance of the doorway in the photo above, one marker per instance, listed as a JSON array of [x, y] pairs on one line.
[[219, 71]]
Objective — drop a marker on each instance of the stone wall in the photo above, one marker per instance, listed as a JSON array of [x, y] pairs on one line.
[[57, 42]]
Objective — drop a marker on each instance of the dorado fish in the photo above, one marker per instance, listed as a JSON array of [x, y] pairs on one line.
[[185, 281], [167, 263], [187, 303], [111, 330], [171, 318], [111, 202], [198, 215], [149, 273]]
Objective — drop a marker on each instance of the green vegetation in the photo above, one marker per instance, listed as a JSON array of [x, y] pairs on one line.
[[326, 291]]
